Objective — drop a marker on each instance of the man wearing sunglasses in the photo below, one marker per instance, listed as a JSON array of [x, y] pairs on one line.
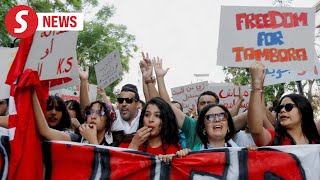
[[4, 107], [128, 112]]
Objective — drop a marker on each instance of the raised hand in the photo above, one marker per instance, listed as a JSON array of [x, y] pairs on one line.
[[83, 73], [160, 72], [257, 71], [147, 64], [101, 91]]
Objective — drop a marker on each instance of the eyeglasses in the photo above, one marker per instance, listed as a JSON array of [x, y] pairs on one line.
[[212, 117], [128, 100], [205, 103], [98, 112], [287, 107], [57, 108]]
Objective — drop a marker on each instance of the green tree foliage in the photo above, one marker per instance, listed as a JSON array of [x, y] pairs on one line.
[[5, 6], [99, 37]]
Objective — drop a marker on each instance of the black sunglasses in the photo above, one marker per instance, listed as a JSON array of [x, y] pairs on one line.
[[128, 100], [288, 107]]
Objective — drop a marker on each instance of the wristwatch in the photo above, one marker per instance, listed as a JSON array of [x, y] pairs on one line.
[[152, 80]]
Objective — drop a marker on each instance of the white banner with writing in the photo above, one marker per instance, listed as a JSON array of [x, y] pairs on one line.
[[7, 56]]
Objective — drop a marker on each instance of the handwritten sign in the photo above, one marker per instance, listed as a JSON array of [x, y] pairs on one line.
[[7, 56], [53, 54], [276, 36], [188, 95], [74, 93], [276, 76], [109, 69], [229, 94]]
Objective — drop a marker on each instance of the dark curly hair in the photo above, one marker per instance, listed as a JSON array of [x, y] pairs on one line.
[[200, 124], [169, 130], [107, 111], [308, 125], [75, 105], [65, 121]]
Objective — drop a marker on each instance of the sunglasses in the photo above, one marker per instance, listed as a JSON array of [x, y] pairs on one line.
[[98, 112], [287, 107], [128, 100], [212, 117], [57, 108]]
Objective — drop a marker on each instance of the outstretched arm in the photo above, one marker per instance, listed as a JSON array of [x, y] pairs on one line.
[[41, 124], [235, 109], [256, 110], [160, 73], [84, 94]]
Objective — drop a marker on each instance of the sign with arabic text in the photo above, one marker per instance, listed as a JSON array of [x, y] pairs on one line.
[[7, 56], [276, 36], [229, 94], [276, 76], [188, 95], [109, 69], [53, 54]]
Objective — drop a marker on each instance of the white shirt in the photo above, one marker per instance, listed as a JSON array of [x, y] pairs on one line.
[[120, 124], [230, 142], [243, 139]]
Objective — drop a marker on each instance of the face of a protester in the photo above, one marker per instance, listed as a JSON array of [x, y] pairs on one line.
[[152, 119], [53, 114], [3, 107], [289, 119], [128, 111], [217, 128], [97, 117], [72, 113], [204, 100]]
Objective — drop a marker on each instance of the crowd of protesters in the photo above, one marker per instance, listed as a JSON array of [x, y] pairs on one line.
[[160, 127]]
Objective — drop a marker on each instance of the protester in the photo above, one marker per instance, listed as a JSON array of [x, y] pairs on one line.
[[158, 131], [57, 115], [75, 114], [4, 107], [295, 123], [215, 128], [96, 130]]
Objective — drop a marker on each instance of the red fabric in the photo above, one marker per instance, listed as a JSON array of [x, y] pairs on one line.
[[26, 149], [172, 149], [19, 61], [286, 140]]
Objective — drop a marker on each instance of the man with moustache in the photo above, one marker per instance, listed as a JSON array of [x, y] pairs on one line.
[[128, 114]]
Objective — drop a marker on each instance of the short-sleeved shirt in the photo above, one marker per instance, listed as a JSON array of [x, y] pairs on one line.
[[243, 139], [189, 129], [170, 149]]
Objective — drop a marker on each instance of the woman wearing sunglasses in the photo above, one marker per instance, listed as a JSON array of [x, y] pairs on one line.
[[215, 128], [295, 116], [96, 130], [158, 133]]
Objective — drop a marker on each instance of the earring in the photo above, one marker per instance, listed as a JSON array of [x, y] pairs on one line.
[[228, 130], [204, 132]]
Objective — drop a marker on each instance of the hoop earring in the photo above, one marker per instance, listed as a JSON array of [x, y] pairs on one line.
[[228, 131], [204, 132]]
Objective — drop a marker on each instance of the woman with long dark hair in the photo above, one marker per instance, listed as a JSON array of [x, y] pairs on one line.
[[294, 113], [57, 115], [158, 133], [74, 110], [215, 128]]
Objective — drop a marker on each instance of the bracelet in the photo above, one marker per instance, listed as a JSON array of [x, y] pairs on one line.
[[152, 80]]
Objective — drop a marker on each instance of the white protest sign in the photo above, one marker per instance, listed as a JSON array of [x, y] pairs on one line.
[[74, 93], [229, 94], [188, 95], [276, 76], [109, 69], [276, 36], [7, 56], [53, 54]]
